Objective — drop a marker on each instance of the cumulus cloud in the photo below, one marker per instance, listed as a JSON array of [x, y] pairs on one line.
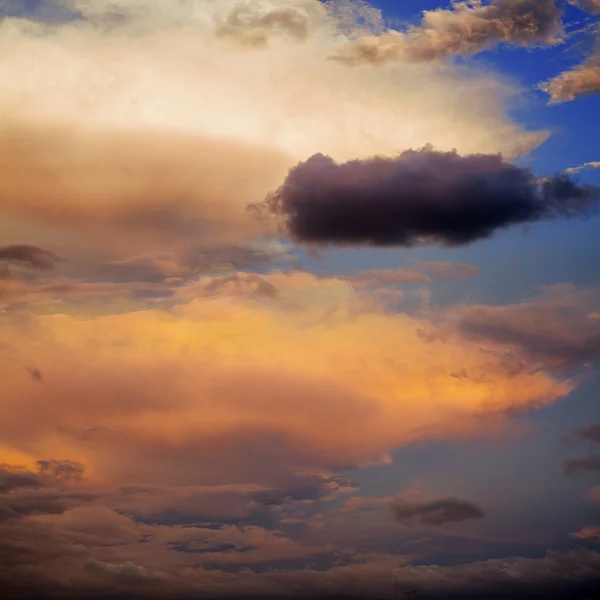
[[468, 28], [436, 512], [581, 80], [420, 197]]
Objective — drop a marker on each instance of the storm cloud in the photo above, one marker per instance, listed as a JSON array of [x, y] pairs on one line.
[[436, 512], [419, 197]]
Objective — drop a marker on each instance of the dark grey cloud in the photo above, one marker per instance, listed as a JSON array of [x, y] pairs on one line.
[[591, 6], [61, 470], [590, 432], [575, 466], [28, 255], [419, 197], [13, 480], [436, 512]]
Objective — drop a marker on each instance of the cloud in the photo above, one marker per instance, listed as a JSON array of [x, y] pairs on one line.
[[582, 80], [127, 570], [154, 151], [61, 290], [35, 374], [415, 274], [587, 165], [419, 197], [436, 512], [591, 6], [23, 493], [94, 550], [111, 196], [468, 28], [253, 23], [31, 256], [574, 466], [42, 502], [10, 480], [160, 267], [588, 533], [191, 393], [589, 432], [386, 277], [61, 470], [447, 270], [554, 330], [204, 425]]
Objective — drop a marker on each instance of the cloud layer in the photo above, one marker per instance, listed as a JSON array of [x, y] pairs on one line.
[[187, 412]]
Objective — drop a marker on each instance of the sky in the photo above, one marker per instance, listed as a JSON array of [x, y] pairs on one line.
[[299, 299]]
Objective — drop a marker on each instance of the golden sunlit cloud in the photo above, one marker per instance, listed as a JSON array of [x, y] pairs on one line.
[[248, 385]]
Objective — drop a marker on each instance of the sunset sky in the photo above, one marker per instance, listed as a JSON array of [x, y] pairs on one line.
[[299, 299]]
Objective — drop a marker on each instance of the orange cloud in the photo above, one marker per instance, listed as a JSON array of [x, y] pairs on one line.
[[247, 388]]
